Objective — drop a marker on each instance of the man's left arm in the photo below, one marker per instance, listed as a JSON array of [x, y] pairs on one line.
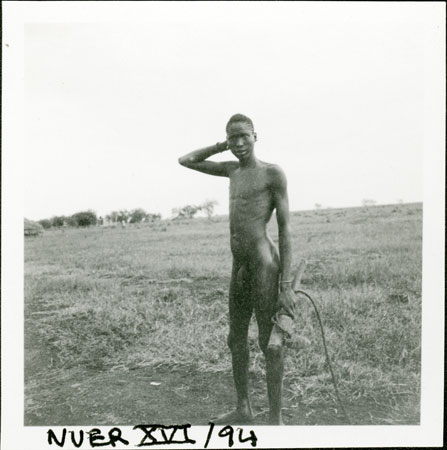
[[281, 204]]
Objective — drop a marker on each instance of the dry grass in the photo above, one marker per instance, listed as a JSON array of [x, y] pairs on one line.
[[157, 295]]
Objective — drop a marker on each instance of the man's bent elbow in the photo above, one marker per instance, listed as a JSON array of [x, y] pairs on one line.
[[183, 161]]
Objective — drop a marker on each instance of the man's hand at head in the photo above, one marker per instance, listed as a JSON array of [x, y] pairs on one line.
[[222, 146]]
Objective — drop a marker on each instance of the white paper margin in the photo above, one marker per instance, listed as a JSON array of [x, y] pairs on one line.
[[428, 433]]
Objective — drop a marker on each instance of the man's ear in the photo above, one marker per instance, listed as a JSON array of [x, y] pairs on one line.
[[256, 136]]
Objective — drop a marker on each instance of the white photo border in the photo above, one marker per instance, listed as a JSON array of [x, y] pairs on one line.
[[430, 431]]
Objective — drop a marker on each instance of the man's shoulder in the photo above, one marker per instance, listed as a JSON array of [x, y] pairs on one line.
[[274, 170], [273, 167], [275, 175]]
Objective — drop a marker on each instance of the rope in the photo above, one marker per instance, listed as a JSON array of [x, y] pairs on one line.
[[334, 382]]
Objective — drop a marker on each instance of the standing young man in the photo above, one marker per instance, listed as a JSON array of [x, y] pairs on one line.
[[259, 272]]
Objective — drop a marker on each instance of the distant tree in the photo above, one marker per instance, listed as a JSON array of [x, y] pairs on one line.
[[71, 221], [84, 218], [112, 217], [137, 215], [58, 221], [400, 201], [32, 228], [150, 217], [46, 223], [123, 216], [189, 211], [368, 202], [317, 205], [186, 212], [208, 207]]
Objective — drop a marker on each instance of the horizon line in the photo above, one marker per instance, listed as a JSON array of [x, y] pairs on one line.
[[322, 208]]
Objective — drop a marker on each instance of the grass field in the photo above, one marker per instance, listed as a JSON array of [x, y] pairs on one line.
[[108, 311]]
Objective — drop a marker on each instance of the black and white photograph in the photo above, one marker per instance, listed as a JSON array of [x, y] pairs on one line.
[[223, 224]]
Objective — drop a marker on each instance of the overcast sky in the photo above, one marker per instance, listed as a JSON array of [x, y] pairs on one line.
[[336, 96]]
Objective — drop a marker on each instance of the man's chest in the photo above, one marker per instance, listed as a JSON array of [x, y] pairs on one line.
[[249, 184]]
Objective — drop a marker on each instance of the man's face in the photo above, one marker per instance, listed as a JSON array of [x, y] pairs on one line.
[[241, 139]]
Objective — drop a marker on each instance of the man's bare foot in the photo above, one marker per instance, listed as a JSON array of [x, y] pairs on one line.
[[237, 417]]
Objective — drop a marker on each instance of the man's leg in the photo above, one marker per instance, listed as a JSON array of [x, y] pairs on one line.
[[266, 289], [240, 313]]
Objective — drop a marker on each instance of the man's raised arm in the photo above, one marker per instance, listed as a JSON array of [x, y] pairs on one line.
[[196, 160]]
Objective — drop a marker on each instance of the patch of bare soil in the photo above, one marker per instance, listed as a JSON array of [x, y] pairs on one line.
[[161, 395], [164, 395]]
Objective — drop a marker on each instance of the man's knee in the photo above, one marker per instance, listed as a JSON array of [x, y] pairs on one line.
[[264, 339], [274, 352]]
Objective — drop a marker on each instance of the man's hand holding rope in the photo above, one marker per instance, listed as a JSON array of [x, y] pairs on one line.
[[287, 299]]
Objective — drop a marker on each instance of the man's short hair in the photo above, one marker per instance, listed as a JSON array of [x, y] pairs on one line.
[[240, 118]]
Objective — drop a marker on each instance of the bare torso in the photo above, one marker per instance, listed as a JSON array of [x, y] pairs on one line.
[[251, 207]]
